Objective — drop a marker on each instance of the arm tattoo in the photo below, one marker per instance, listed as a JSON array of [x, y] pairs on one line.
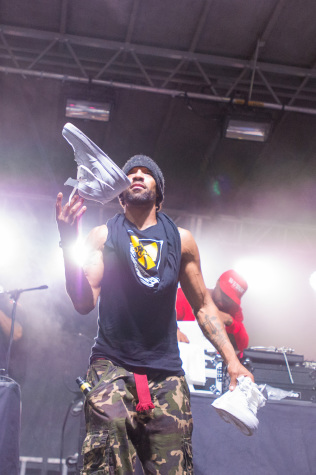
[[213, 331]]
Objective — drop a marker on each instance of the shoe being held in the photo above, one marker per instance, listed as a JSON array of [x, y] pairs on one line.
[[98, 177], [239, 407]]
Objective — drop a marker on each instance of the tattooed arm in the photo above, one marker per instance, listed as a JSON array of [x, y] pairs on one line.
[[205, 310]]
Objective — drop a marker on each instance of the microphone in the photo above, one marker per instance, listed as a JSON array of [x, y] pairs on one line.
[[14, 293]]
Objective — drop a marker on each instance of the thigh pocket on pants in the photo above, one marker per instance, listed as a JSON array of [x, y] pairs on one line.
[[97, 454]]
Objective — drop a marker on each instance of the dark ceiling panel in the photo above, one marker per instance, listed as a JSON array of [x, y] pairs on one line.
[[292, 40], [233, 28], [174, 18], [99, 19], [40, 14]]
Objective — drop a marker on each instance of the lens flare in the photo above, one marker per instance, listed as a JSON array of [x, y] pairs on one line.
[[262, 273], [312, 281], [9, 245], [80, 252]]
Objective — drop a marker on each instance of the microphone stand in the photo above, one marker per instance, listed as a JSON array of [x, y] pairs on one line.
[[15, 294]]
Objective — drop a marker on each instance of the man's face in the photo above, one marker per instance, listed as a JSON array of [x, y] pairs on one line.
[[143, 188], [223, 302]]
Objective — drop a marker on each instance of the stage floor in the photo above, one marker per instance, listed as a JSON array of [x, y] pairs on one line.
[[284, 444]]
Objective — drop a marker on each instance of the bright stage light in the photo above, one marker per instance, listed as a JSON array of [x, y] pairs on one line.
[[312, 280], [9, 245], [262, 273], [79, 252], [79, 109], [244, 129]]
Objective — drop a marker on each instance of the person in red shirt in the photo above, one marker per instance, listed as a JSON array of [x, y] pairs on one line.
[[227, 294]]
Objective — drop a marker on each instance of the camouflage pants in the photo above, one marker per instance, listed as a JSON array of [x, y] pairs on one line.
[[116, 432]]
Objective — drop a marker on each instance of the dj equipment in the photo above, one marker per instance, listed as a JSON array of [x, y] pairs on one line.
[[213, 373], [212, 369], [284, 370]]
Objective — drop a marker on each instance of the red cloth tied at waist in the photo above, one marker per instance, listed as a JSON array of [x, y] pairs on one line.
[[145, 403]]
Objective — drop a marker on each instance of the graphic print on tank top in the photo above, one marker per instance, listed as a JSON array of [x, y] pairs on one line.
[[146, 257]]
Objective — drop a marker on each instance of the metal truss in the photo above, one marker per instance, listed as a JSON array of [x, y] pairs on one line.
[[189, 74]]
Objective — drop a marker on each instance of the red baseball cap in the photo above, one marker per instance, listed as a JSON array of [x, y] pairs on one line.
[[233, 285]]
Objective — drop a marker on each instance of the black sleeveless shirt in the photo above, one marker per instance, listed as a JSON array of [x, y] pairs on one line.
[[137, 326]]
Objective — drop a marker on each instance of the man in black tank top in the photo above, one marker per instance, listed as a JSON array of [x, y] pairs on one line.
[[139, 403]]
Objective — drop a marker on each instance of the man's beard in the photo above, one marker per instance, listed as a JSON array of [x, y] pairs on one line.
[[144, 198]]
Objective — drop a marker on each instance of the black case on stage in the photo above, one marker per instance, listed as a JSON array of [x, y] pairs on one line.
[[213, 375], [10, 424], [269, 367]]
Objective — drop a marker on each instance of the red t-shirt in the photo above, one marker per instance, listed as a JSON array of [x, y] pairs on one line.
[[184, 313], [183, 308]]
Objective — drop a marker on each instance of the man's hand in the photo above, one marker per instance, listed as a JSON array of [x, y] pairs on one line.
[[236, 369], [68, 216], [182, 337]]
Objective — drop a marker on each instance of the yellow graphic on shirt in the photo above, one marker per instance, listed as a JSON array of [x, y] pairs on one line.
[[146, 255]]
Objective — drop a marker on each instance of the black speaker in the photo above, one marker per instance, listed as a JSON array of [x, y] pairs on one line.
[[10, 417]]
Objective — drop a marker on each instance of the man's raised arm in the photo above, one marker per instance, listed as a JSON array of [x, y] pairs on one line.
[[205, 310], [82, 283]]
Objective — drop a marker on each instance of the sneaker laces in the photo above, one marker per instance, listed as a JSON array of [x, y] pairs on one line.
[[251, 393]]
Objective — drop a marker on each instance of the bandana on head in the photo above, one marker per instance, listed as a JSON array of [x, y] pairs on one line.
[[144, 161]]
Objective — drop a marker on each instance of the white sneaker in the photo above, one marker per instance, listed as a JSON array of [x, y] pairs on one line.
[[239, 407], [98, 177]]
